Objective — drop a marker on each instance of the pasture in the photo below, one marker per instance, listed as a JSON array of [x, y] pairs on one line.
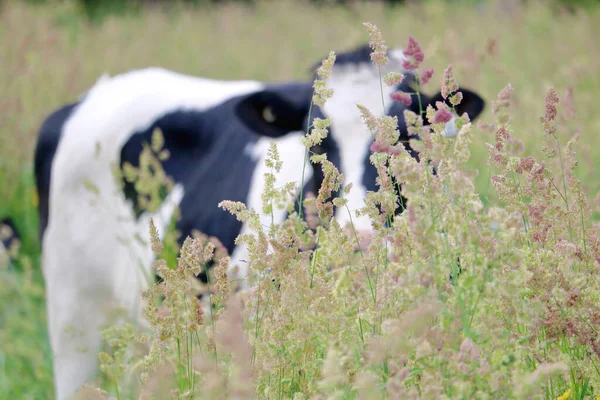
[[522, 318]]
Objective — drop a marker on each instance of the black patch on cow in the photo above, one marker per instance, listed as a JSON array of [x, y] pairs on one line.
[[45, 149], [207, 154], [274, 113]]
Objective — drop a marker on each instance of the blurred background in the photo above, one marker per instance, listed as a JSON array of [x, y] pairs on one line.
[[52, 51]]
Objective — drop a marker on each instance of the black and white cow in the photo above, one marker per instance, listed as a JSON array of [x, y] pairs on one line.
[[217, 134]]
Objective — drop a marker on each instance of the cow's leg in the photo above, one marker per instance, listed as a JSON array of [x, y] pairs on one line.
[[75, 317], [75, 346]]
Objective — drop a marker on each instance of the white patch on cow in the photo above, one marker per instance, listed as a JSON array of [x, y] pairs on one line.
[[96, 256], [252, 151], [291, 153], [357, 84], [162, 218], [450, 130], [396, 57]]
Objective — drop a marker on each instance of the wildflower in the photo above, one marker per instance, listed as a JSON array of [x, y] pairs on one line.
[[88, 392], [442, 115], [550, 113], [310, 210], [426, 76], [159, 383], [551, 101], [222, 286], [209, 251], [486, 126], [387, 136], [545, 370], [191, 256], [377, 44], [565, 395], [525, 165], [379, 147], [367, 385], [272, 161], [456, 99], [468, 350], [469, 354], [157, 246], [324, 71], [198, 312], [402, 97], [424, 349], [368, 118], [333, 370], [449, 84], [231, 336], [502, 136], [414, 124], [321, 93], [414, 55], [317, 133], [236, 208], [393, 78], [503, 100], [332, 180]]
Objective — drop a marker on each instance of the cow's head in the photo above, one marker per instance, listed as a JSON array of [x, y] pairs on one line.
[[356, 80], [215, 153]]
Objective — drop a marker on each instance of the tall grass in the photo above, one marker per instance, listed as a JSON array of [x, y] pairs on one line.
[[521, 318]]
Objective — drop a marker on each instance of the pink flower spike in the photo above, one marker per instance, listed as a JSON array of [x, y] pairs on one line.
[[550, 115], [427, 74], [375, 147], [551, 101], [442, 115], [449, 84], [377, 44], [456, 99], [414, 54], [402, 97]]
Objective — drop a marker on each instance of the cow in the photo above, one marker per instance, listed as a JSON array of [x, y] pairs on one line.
[[217, 134]]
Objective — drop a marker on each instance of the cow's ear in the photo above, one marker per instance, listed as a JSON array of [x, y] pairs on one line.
[[276, 111], [472, 103]]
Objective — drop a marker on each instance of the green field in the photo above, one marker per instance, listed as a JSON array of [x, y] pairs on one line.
[[49, 55]]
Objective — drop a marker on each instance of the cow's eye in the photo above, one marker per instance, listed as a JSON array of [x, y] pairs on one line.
[[268, 114]]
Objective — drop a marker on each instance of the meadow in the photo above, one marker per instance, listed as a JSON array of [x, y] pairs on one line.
[[521, 320]]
